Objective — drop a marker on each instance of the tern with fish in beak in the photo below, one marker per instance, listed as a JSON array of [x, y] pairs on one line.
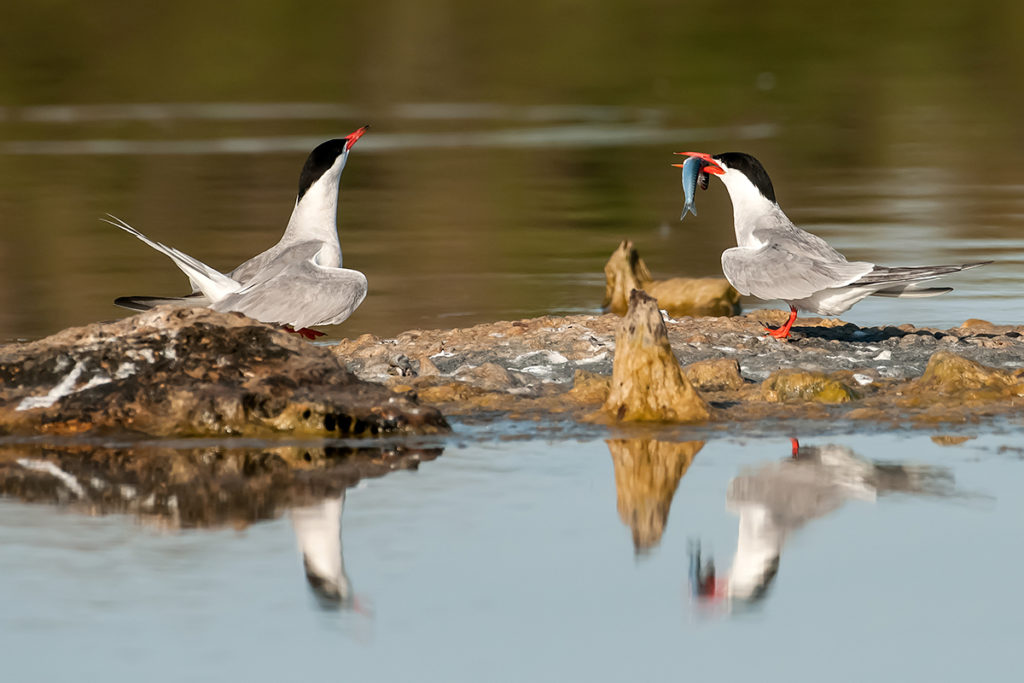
[[774, 259]]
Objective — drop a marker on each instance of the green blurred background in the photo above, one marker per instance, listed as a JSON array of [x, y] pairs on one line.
[[513, 145]]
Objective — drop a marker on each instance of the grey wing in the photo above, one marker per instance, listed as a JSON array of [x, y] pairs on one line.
[[780, 271], [295, 290], [246, 271]]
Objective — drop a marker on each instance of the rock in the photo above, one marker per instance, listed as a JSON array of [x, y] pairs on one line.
[[626, 271], [194, 372], [647, 473], [718, 374], [488, 376], [647, 382], [544, 358], [797, 385], [948, 373], [589, 388]]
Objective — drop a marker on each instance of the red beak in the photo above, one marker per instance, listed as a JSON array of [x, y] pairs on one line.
[[711, 166], [352, 137]]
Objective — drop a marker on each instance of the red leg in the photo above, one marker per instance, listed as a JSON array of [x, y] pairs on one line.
[[783, 332], [305, 332], [796, 447]]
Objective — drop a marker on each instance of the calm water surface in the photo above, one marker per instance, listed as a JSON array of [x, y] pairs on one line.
[[512, 148], [540, 560]]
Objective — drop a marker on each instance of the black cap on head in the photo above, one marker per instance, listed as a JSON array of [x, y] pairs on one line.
[[319, 161], [750, 167]]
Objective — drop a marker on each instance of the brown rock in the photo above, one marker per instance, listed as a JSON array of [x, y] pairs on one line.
[[193, 372], [626, 271], [647, 473], [950, 374], [647, 382], [717, 374], [797, 385], [487, 376], [589, 387]]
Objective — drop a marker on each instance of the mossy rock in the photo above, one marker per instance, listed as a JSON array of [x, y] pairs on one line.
[[798, 385]]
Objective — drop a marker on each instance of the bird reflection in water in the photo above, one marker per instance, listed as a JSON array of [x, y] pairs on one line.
[[647, 473], [778, 498], [318, 532]]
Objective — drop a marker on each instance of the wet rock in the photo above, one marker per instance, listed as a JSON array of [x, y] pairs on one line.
[[589, 388], [647, 382], [193, 487], [948, 373], [544, 358], [193, 372], [718, 374], [626, 271], [647, 473], [797, 385]]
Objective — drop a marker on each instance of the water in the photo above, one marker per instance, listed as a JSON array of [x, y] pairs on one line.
[[511, 561], [511, 150]]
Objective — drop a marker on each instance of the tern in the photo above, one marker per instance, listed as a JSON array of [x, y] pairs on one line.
[[299, 282], [774, 259], [775, 500]]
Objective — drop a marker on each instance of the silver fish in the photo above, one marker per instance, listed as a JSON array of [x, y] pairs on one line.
[[691, 174]]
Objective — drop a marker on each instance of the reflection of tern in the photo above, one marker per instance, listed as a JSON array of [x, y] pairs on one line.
[[318, 531], [774, 259], [299, 282], [778, 498]]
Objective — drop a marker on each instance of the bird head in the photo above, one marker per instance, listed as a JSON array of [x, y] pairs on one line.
[[742, 174], [326, 162]]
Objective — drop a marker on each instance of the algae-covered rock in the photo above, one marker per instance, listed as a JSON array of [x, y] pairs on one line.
[[626, 271], [949, 373], [647, 473], [647, 382], [194, 372], [716, 374], [798, 385]]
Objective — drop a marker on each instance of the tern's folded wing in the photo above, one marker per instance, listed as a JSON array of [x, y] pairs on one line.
[[775, 272], [299, 292]]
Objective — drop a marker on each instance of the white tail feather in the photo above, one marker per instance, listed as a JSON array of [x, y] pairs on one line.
[[211, 282]]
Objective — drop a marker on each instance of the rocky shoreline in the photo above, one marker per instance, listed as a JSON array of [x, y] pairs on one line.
[[193, 372], [828, 370]]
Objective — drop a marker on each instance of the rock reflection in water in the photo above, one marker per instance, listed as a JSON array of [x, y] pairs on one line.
[[778, 498], [212, 487], [647, 473]]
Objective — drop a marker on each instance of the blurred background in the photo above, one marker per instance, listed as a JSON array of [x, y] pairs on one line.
[[513, 145]]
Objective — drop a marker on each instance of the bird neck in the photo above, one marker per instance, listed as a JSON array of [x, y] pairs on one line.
[[750, 208], [315, 216]]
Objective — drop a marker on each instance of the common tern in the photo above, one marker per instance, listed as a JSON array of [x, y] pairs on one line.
[[774, 259], [299, 282]]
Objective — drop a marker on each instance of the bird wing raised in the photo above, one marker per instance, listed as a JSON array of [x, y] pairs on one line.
[[295, 290]]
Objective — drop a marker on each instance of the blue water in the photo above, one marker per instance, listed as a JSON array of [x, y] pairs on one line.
[[508, 561]]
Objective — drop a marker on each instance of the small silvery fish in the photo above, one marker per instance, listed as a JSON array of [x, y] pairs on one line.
[[691, 173]]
